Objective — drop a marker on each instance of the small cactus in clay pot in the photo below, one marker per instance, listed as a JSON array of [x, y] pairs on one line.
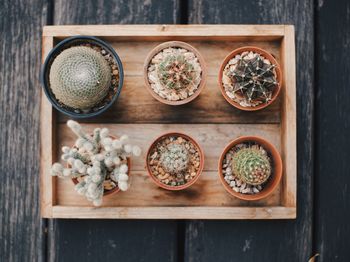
[[98, 164], [174, 161], [250, 78], [250, 168], [174, 73]]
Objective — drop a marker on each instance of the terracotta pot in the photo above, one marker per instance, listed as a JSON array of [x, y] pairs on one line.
[[186, 46], [114, 190], [201, 161], [266, 55], [277, 167]]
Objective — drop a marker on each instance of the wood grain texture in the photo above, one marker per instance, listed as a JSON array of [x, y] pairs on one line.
[[136, 105], [102, 240], [206, 192], [332, 183], [22, 234], [214, 135], [239, 241]]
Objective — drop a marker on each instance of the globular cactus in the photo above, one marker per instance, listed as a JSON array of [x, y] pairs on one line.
[[94, 158], [175, 72], [254, 78], [251, 165], [80, 77], [174, 158]]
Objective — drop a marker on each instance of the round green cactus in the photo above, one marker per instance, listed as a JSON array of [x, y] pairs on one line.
[[251, 165], [175, 158], [254, 78], [175, 72], [80, 77]]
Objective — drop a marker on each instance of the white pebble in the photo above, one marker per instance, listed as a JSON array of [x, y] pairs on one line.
[[97, 202], [117, 144]]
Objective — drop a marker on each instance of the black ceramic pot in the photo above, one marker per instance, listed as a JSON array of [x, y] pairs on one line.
[[76, 41]]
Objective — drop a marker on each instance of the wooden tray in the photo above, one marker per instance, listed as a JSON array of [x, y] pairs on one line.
[[209, 119]]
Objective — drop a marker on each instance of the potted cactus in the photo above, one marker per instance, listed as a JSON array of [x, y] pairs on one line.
[[98, 164], [174, 73], [250, 78], [175, 161], [250, 168], [82, 76]]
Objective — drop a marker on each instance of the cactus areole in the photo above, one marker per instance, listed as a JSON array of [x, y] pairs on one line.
[[82, 76]]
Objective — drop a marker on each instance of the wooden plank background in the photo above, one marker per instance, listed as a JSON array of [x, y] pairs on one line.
[[322, 43]]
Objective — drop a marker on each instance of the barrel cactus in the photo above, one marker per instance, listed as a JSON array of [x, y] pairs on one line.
[[175, 72], [253, 77], [174, 158], [80, 77], [251, 165]]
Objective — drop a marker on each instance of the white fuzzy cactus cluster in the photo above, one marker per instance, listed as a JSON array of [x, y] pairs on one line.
[[93, 159]]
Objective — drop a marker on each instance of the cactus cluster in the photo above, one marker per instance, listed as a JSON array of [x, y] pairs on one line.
[[175, 72], [80, 77], [251, 165], [174, 158], [253, 78], [95, 158]]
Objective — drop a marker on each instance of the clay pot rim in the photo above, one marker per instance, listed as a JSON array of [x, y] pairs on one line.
[[267, 55], [188, 47], [277, 168], [201, 161], [116, 189]]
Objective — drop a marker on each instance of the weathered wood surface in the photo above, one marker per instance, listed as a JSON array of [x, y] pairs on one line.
[[135, 105], [276, 241], [206, 192], [21, 230], [332, 143], [22, 236], [114, 240], [214, 42]]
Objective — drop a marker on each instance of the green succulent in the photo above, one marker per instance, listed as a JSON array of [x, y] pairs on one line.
[[80, 77], [251, 165], [254, 78], [175, 72], [174, 158]]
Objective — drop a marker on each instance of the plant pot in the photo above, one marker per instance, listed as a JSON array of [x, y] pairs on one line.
[[195, 176], [113, 91], [278, 75], [174, 44], [276, 164], [116, 189]]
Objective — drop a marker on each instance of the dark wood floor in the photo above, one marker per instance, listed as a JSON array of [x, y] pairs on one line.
[[323, 93]]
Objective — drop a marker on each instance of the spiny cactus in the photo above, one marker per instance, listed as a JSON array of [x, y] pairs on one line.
[[174, 158], [80, 77], [254, 77], [93, 159], [251, 165], [175, 72]]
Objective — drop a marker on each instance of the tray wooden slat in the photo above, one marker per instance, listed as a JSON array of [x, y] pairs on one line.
[[209, 119]]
